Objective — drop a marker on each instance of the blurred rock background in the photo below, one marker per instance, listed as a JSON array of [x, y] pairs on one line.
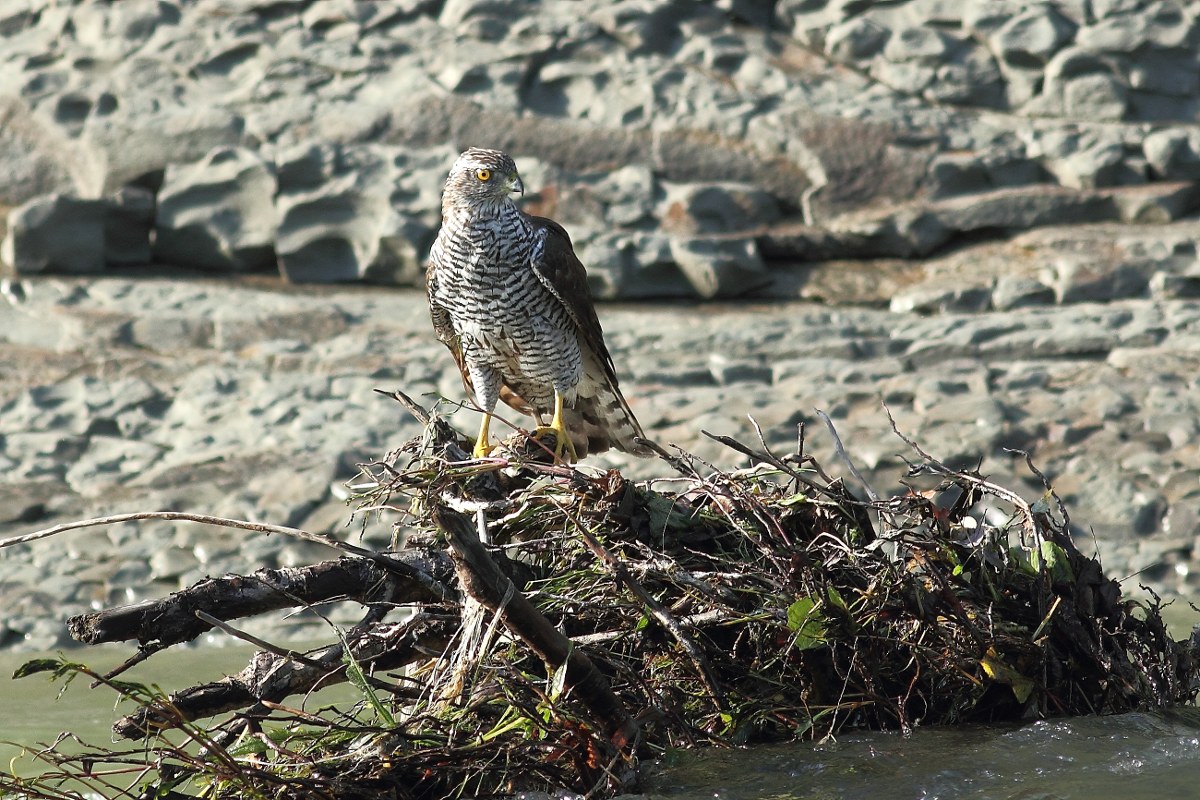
[[980, 212]]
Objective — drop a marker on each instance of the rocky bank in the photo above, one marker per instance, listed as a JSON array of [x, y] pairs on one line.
[[979, 213]]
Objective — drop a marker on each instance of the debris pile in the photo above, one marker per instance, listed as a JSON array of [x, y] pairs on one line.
[[551, 627]]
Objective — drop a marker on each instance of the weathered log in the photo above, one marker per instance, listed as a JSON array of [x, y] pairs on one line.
[[271, 678], [412, 576], [482, 579]]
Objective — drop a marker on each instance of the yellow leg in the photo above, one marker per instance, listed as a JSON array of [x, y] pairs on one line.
[[481, 444], [559, 428]]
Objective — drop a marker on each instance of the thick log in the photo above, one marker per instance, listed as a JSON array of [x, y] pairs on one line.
[[412, 576], [483, 580], [272, 678]]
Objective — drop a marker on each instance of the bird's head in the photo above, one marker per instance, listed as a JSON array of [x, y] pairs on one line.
[[481, 178]]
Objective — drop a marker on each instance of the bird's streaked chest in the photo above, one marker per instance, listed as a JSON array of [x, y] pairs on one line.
[[486, 265]]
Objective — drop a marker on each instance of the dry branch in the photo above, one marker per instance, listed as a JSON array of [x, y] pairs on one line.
[[483, 580], [269, 678], [409, 577]]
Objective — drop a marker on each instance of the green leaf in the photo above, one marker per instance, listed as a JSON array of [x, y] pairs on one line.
[[35, 666], [358, 678], [1057, 562], [995, 668], [806, 619]]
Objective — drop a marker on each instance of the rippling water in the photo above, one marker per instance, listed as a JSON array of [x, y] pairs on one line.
[[1130, 757]]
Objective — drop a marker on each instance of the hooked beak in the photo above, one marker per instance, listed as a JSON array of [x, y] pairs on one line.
[[515, 185]]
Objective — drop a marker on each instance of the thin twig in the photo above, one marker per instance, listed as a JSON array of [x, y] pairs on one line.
[[1029, 524], [845, 457]]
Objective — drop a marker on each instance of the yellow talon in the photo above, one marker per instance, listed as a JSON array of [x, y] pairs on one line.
[[481, 444], [559, 428]]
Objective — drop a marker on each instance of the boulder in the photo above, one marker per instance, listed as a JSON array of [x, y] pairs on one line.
[[341, 214], [629, 265], [1081, 84], [1017, 291], [56, 233], [856, 39], [31, 155], [127, 227], [1031, 38], [218, 213], [696, 208], [117, 149], [1173, 153], [720, 267]]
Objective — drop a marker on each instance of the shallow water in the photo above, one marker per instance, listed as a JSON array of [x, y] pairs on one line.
[[1131, 757]]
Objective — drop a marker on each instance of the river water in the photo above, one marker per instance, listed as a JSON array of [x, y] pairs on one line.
[[1140, 756], [1127, 757]]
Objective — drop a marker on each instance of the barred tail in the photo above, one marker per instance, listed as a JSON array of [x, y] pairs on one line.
[[600, 418]]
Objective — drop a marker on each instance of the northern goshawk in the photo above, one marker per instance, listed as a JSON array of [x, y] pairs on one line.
[[510, 299]]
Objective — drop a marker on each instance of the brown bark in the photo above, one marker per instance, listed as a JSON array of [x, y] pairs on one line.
[[482, 579], [271, 678]]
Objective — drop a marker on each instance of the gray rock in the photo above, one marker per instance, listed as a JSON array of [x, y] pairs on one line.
[[627, 195], [1015, 291], [972, 78], [57, 233], [31, 155], [717, 208], [720, 267], [907, 77], [1173, 153], [165, 333], [1117, 506], [127, 225], [920, 45], [630, 265], [726, 370], [1101, 164], [113, 32], [1162, 25], [857, 39], [485, 19], [116, 149], [1098, 95], [956, 173], [217, 213], [1078, 281], [337, 221], [1167, 286], [1031, 38], [1156, 203], [1173, 73], [936, 295]]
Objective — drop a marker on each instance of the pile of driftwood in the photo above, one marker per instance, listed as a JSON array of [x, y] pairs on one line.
[[549, 628]]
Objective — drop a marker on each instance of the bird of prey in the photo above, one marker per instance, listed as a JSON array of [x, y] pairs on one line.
[[510, 299]]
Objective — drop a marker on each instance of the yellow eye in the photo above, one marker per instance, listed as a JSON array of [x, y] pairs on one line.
[[483, 174]]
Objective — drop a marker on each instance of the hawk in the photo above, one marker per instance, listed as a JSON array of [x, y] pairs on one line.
[[510, 299]]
